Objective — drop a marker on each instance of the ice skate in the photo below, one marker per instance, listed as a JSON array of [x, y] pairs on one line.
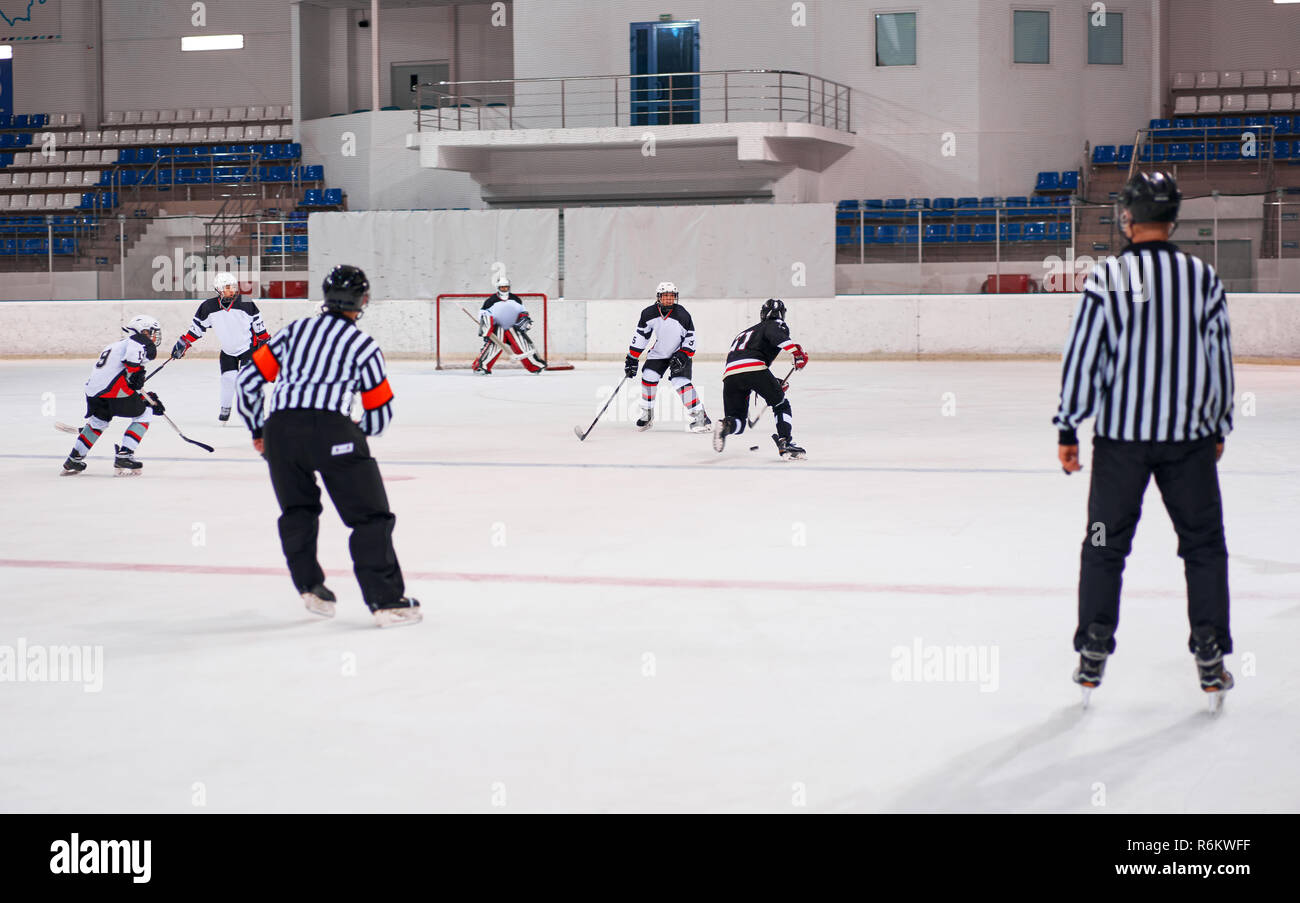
[[124, 463], [646, 420], [787, 449], [224, 415], [74, 465], [721, 430], [700, 422], [319, 600], [1216, 680], [404, 611], [1092, 659]]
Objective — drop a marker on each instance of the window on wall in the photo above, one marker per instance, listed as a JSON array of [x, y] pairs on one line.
[[1031, 36], [1106, 38], [895, 39]]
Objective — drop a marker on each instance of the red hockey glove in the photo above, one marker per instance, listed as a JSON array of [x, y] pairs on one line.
[[260, 339], [800, 359]]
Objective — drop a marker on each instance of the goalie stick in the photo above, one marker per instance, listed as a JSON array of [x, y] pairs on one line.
[[68, 428]]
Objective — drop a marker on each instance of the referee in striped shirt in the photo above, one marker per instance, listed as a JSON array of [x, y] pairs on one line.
[[315, 366], [1150, 356]]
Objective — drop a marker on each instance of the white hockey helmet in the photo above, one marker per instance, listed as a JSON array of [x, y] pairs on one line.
[[666, 288], [503, 283], [223, 281], [148, 327]]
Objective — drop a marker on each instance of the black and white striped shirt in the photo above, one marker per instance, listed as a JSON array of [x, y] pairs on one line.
[[318, 363], [1151, 352]]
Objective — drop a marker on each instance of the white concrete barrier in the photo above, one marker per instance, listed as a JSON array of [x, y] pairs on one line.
[[852, 326]]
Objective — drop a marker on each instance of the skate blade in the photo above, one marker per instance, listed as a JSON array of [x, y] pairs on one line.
[[1087, 694], [1215, 698], [125, 472], [318, 606], [642, 429], [398, 617]]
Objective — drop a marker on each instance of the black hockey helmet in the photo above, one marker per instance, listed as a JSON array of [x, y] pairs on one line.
[[345, 289], [773, 309], [1150, 197]]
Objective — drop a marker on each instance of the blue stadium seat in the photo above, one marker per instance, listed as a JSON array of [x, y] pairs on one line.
[[313, 173], [313, 197], [1282, 150], [126, 155], [8, 247], [1035, 231], [65, 246], [985, 232], [1070, 180], [20, 121], [1039, 200], [7, 140], [886, 235], [293, 151], [844, 235], [963, 232], [1048, 181], [918, 204], [943, 206], [6, 120], [840, 207], [1229, 127], [894, 208], [1252, 122], [1198, 150], [333, 197], [1282, 125], [185, 176], [988, 203], [1103, 154], [868, 235], [300, 244], [1178, 153], [968, 206], [38, 120], [910, 235], [1124, 155], [1183, 128], [1064, 231], [23, 140], [1017, 205], [937, 233], [1011, 232]]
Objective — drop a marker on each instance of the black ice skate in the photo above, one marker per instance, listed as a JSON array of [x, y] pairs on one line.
[[403, 611], [646, 420], [1092, 659], [224, 415], [1215, 679], [721, 430], [787, 449], [125, 463], [74, 465], [319, 600]]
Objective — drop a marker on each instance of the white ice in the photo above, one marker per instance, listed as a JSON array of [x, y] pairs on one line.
[[636, 623]]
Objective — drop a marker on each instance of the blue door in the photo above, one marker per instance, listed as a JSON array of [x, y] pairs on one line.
[[659, 50]]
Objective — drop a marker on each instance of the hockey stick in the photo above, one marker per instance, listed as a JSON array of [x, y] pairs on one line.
[[490, 337], [578, 431], [68, 428], [763, 407], [159, 368]]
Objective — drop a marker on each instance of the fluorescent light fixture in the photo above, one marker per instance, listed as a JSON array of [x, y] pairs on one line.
[[6, 52], [213, 42]]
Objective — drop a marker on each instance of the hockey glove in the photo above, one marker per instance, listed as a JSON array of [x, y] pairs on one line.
[[629, 367], [260, 339], [800, 359], [135, 379], [153, 402], [524, 323], [182, 345], [678, 362]]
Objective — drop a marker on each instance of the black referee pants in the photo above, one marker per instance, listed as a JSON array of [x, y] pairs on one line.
[[1188, 479], [300, 443]]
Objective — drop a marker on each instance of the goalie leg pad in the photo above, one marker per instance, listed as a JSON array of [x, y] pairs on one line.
[[522, 350]]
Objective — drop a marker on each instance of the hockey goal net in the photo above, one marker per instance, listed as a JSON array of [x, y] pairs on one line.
[[455, 336]]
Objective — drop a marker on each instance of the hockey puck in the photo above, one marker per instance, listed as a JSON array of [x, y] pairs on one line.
[[753, 448]]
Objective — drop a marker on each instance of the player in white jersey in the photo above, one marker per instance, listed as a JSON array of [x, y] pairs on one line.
[[239, 327], [114, 390], [503, 325], [674, 347]]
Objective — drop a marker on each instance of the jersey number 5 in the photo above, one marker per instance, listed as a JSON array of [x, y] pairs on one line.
[[103, 358], [742, 340]]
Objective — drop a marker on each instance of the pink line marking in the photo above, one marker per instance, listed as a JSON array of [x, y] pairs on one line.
[[1064, 594]]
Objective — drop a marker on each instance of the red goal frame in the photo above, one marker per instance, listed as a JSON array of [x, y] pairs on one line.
[[480, 296]]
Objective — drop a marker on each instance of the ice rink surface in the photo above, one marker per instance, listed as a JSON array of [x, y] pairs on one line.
[[636, 623]]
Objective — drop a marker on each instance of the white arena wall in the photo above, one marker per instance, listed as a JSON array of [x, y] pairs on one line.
[[1264, 326]]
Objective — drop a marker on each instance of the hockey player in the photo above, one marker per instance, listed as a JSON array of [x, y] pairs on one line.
[[239, 328], [114, 389], [747, 371], [674, 347], [503, 324]]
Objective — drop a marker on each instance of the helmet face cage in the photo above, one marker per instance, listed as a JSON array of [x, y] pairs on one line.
[[145, 326], [666, 294], [221, 283]]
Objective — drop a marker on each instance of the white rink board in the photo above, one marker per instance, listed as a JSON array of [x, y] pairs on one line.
[[1263, 326], [587, 653]]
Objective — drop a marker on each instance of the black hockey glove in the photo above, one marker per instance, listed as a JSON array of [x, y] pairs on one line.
[[153, 402], [179, 349], [135, 380], [678, 362], [629, 367], [524, 323]]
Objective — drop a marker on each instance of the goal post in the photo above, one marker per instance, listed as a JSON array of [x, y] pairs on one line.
[[456, 342]]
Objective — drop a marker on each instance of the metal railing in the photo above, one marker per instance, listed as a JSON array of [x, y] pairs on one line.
[[597, 101]]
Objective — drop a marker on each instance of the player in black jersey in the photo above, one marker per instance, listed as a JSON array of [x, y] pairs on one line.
[[747, 371]]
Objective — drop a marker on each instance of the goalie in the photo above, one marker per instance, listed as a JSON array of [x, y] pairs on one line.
[[503, 325]]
